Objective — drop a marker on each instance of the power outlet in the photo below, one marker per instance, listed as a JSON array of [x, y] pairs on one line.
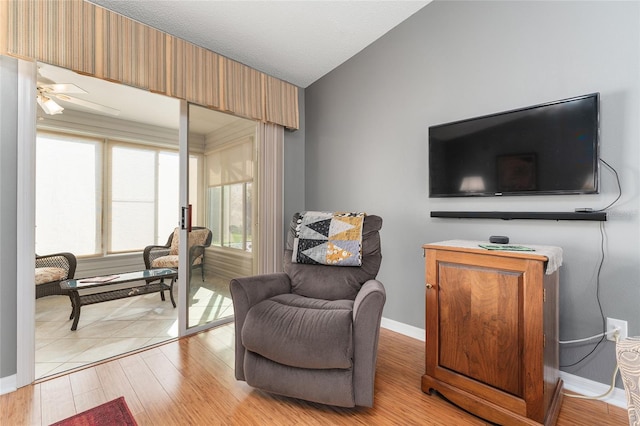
[[612, 324]]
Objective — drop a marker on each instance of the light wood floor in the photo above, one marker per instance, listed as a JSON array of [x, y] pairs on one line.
[[191, 382]]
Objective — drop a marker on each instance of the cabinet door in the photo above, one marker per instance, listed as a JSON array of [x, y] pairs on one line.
[[485, 333], [479, 327]]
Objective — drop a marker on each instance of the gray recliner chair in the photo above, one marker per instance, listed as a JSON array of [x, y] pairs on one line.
[[312, 331]]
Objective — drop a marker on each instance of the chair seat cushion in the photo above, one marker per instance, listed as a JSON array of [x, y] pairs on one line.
[[50, 274], [170, 261], [301, 332]]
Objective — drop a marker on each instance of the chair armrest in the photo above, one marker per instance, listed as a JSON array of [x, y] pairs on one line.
[[367, 313], [64, 260], [194, 252], [247, 292], [153, 252]]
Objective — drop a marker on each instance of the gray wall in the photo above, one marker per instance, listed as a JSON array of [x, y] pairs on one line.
[[367, 139], [8, 199]]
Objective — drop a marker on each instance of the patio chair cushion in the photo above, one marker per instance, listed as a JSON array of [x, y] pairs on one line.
[[171, 261], [175, 241], [197, 237], [50, 274]]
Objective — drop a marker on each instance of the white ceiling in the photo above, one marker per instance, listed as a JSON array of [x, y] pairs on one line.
[[296, 41]]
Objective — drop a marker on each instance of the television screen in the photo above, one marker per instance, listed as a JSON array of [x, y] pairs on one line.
[[544, 149]]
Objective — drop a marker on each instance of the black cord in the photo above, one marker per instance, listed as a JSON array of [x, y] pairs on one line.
[[619, 186], [604, 321]]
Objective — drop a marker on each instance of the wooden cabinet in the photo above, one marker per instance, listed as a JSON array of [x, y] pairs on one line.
[[492, 333]]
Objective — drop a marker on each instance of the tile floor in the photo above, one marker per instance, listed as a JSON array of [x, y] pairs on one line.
[[111, 328]]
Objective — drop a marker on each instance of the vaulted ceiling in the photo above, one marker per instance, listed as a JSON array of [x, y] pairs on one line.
[[296, 41]]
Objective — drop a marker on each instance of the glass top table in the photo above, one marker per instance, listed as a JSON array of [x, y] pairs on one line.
[[104, 289], [82, 283]]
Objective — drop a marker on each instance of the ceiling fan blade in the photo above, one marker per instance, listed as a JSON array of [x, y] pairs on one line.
[[48, 105], [87, 104], [62, 88]]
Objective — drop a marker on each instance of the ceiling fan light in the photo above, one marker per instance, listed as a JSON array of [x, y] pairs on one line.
[[49, 106]]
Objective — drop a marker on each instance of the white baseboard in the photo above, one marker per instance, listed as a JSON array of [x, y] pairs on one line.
[[588, 387], [8, 384], [407, 330], [572, 382]]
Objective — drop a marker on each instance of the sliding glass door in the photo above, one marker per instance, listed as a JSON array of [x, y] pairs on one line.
[[217, 169], [104, 188]]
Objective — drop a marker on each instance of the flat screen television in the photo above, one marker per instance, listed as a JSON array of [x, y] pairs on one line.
[[544, 149]]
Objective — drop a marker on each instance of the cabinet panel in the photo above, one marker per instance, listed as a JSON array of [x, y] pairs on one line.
[[479, 330]]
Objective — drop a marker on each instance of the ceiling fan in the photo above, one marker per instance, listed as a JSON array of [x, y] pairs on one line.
[[47, 90]]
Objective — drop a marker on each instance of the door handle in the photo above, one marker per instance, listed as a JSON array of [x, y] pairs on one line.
[[185, 221]]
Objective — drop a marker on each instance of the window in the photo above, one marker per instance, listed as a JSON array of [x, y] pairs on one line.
[[229, 195], [97, 196], [68, 194], [143, 196]]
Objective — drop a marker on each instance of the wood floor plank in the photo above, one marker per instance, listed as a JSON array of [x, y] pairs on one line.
[[156, 401], [192, 381], [115, 384], [201, 359], [143, 419], [89, 399], [56, 397], [21, 407], [84, 381], [180, 389]]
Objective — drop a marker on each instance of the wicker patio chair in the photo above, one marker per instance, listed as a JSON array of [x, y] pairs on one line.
[[50, 270], [166, 256]]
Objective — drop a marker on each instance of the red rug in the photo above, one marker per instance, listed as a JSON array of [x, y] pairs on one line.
[[111, 413]]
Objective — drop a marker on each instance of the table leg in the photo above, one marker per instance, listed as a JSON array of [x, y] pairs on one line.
[[171, 291], [75, 301], [162, 291], [73, 304]]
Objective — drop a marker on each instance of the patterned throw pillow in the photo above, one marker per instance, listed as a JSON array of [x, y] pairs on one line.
[[329, 238]]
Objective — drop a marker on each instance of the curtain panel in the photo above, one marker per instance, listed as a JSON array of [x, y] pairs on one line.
[[270, 198]]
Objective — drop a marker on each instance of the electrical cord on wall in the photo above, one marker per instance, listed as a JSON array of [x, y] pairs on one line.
[[619, 186], [586, 339], [616, 335], [602, 257], [604, 320]]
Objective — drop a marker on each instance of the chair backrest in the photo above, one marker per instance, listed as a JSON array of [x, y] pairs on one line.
[[335, 282], [198, 236]]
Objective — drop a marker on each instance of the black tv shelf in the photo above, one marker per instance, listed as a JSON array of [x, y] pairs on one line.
[[597, 216]]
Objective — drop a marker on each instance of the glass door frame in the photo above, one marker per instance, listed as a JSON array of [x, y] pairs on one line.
[[183, 245], [184, 277]]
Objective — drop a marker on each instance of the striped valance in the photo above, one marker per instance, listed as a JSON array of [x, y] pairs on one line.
[[91, 40]]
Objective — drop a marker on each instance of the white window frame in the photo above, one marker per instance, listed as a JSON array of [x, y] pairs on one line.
[[103, 221]]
